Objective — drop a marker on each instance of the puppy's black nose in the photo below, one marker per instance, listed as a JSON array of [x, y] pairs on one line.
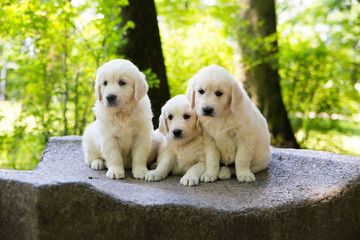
[[208, 110], [111, 97], [177, 132]]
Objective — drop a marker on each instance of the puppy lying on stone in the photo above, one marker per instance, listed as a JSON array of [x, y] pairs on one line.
[[181, 151]]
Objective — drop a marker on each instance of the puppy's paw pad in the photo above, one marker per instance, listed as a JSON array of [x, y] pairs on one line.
[[115, 173], [97, 164], [224, 173], [208, 177], [246, 176], [152, 176], [189, 181], [139, 173]]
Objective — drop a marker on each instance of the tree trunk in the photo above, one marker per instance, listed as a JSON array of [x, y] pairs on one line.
[[258, 47], [143, 48]]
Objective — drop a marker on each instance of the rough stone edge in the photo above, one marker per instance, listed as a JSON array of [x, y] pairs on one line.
[[18, 210], [64, 139], [279, 153], [275, 221], [296, 221], [71, 138]]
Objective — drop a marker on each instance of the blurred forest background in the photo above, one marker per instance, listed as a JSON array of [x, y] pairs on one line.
[[298, 60]]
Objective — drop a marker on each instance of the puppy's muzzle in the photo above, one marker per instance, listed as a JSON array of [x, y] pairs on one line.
[[177, 133], [111, 98], [208, 111]]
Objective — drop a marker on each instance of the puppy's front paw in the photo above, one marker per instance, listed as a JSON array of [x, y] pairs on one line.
[[97, 164], [224, 173], [189, 181], [208, 176], [139, 172], [153, 176], [115, 173], [245, 176]]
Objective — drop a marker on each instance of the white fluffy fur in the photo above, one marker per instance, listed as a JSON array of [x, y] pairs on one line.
[[235, 132], [179, 154], [120, 137]]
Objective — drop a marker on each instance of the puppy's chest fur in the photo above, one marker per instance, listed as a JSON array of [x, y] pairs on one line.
[[226, 138], [187, 155], [123, 129]]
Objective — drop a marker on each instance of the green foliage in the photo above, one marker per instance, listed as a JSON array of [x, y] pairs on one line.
[[152, 78], [58, 45], [193, 36], [315, 71], [21, 148], [319, 59], [318, 68], [339, 136]]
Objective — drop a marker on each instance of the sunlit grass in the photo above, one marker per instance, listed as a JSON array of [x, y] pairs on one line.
[[9, 112], [19, 146], [339, 136]]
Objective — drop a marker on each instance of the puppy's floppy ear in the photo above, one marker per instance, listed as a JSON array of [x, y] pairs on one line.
[[141, 86], [190, 92], [163, 127], [198, 124], [98, 95], [237, 96]]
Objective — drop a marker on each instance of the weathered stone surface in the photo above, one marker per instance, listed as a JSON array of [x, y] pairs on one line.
[[302, 195]]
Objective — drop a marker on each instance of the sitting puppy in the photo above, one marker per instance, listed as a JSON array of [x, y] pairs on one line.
[[234, 129], [181, 150], [120, 137]]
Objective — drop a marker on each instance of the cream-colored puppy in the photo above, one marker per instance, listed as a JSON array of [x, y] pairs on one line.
[[120, 137], [181, 151], [234, 129]]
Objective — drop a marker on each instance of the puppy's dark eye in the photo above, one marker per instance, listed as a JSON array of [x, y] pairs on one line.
[[105, 83], [201, 91], [170, 117], [122, 83], [186, 116], [218, 93]]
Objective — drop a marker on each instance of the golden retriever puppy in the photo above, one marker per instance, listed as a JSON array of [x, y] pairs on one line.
[[120, 137], [234, 129], [181, 151]]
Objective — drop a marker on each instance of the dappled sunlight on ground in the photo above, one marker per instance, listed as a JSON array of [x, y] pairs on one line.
[[339, 136], [336, 143], [9, 113], [351, 144]]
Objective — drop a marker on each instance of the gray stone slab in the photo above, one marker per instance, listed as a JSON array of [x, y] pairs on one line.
[[303, 194]]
